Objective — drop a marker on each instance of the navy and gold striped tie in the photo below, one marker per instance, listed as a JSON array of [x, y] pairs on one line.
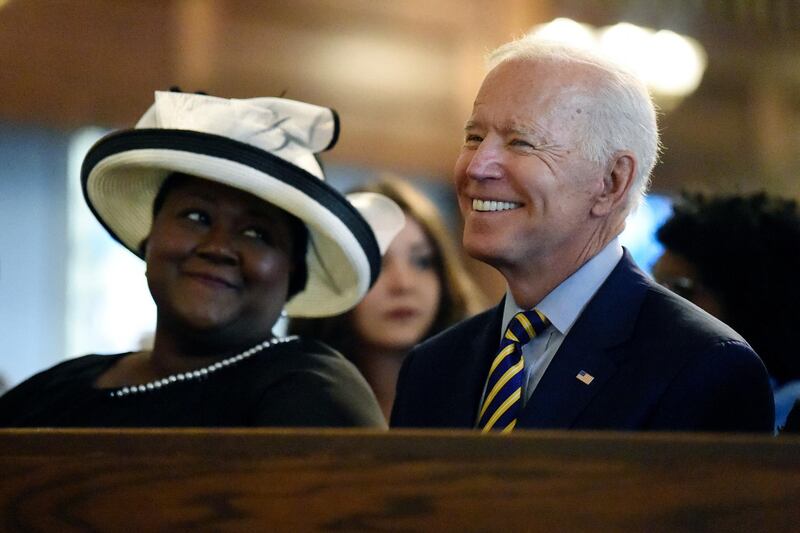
[[503, 398]]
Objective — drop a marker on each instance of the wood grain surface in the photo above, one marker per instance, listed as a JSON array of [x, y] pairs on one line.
[[337, 480]]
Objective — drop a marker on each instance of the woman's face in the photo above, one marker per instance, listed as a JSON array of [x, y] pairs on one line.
[[218, 261], [402, 305]]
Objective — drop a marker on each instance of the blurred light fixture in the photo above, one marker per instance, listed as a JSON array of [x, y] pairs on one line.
[[670, 64], [568, 30], [682, 61]]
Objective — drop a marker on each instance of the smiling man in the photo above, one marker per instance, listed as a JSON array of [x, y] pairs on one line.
[[557, 151]]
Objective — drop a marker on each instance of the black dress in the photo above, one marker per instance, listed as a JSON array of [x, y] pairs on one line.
[[295, 383]]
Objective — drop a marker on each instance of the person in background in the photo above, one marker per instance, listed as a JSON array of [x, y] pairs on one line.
[[423, 289], [792, 425], [558, 150], [225, 201], [738, 257]]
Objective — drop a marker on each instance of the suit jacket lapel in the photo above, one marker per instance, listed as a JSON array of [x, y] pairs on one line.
[[594, 345], [474, 351]]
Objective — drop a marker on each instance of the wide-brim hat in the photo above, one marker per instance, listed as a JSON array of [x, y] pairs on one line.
[[263, 146]]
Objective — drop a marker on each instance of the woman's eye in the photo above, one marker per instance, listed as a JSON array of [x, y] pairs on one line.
[[423, 262], [255, 233], [197, 216]]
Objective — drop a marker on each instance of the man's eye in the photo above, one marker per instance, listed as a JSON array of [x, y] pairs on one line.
[[472, 139], [521, 143]]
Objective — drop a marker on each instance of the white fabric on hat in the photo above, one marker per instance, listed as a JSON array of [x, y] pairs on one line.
[[293, 131], [382, 214]]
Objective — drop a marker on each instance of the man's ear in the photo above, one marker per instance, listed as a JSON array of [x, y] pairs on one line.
[[617, 182]]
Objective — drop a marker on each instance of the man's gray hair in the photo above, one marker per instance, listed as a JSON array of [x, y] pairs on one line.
[[621, 115]]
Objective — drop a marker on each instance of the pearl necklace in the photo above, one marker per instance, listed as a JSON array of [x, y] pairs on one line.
[[200, 372]]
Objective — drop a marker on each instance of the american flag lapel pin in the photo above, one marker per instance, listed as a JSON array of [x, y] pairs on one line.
[[585, 377]]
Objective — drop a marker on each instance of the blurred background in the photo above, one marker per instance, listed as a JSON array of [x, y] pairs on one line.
[[401, 73]]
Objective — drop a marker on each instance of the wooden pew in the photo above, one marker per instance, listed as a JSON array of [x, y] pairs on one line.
[[340, 480]]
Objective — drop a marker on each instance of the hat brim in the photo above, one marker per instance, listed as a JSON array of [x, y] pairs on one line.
[[122, 173]]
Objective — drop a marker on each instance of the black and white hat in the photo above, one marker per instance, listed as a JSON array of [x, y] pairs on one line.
[[263, 146]]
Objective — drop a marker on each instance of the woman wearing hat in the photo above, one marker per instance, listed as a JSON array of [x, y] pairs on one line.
[[226, 203]]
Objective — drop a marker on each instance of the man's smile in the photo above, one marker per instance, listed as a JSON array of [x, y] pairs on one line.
[[493, 205]]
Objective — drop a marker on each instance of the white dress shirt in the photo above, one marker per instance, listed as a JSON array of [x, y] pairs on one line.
[[562, 306]]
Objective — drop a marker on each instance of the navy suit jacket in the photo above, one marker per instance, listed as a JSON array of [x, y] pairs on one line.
[[658, 362]]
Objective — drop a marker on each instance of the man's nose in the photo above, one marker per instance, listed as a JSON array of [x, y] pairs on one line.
[[486, 162]]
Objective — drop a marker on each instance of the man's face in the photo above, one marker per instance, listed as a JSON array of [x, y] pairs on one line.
[[524, 189]]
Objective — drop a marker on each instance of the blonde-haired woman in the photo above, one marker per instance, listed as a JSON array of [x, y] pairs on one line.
[[423, 288]]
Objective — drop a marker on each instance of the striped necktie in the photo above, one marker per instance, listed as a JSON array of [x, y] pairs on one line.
[[503, 398]]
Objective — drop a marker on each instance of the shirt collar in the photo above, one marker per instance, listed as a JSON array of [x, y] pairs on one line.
[[564, 304]]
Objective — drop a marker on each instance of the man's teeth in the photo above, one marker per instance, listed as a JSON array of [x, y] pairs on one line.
[[493, 205]]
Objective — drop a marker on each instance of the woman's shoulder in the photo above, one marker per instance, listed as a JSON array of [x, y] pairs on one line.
[[298, 352], [93, 360], [47, 385], [307, 383], [70, 369]]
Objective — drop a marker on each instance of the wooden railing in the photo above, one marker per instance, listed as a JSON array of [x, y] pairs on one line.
[[282, 480]]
